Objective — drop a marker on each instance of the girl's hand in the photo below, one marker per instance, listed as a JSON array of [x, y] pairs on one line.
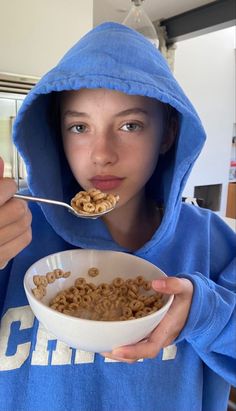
[[168, 329], [15, 220]]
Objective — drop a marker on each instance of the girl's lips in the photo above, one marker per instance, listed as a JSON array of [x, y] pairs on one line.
[[106, 183]]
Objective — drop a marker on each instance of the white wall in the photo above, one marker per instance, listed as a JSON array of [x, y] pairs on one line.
[[205, 68], [34, 34]]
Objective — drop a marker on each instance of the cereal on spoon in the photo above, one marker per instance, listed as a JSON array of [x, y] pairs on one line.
[[93, 201]]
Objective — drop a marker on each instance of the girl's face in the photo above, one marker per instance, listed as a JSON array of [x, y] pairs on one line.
[[112, 140]]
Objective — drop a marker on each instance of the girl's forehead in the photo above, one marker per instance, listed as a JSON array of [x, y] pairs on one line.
[[101, 96]]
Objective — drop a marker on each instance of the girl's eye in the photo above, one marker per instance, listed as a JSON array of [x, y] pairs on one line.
[[131, 127], [78, 128]]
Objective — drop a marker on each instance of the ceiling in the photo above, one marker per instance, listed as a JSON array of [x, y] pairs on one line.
[[116, 10]]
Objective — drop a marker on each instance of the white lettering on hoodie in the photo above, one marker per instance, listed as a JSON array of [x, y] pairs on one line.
[[26, 318]]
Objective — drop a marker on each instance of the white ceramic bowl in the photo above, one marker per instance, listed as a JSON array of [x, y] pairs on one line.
[[89, 335]]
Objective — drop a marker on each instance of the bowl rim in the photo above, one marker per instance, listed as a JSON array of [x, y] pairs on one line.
[[85, 320]]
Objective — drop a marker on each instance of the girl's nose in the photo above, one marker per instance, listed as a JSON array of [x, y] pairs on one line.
[[104, 151]]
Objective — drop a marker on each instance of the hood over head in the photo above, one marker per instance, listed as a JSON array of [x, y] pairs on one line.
[[115, 57]]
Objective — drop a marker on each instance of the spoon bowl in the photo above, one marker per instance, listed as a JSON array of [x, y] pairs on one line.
[[62, 204]]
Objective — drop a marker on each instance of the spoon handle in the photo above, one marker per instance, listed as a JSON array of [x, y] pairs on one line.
[[42, 200], [60, 203]]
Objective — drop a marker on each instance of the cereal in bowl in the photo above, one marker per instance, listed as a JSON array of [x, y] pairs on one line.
[[42, 281], [119, 300]]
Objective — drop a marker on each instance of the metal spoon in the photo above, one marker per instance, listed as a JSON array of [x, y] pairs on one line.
[[60, 203]]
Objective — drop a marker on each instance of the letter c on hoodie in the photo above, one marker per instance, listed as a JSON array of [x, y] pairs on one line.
[[26, 318]]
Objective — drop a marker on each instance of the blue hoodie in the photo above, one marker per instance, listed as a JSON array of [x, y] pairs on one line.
[[39, 373]]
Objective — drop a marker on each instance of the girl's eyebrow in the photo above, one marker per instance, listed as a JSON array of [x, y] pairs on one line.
[[135, 110], [72, 113]]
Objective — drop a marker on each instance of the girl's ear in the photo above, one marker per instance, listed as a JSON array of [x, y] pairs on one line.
[[169, 135]]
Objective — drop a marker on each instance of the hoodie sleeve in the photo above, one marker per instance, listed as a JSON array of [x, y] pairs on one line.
[[4, 277], [211, 325]]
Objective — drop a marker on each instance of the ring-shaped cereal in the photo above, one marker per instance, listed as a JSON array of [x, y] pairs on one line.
[[106, 304], [107, 203], [81, 202], [111, 198], [148, 310], [80, 194], [92, 286], [58, 272], [135, 305], [80, 281], [100, 208], [150, 300], [147, 285], [81, 290], [134, 288], [61, 308], [99, 196], [104, 288], [118, 282], [37, 279], [70, 298], [142, 298], [37, 293], [44, 281], [73, 306], [139, 280], [93, 191], [131, 294], [93, 271], [89, 207], [42, 289], [158, 304], [127, 311], [77, 299], [51, 277], [139, 314], [66, 274], [88, 290], [86, 299]]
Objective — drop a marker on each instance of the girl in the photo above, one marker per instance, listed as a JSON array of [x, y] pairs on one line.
[[112, 116]]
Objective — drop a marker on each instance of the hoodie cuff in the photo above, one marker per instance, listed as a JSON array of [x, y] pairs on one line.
[[203, 308]]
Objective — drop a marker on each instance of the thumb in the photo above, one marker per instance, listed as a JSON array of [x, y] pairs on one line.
[[1, 167], [171, 285]]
